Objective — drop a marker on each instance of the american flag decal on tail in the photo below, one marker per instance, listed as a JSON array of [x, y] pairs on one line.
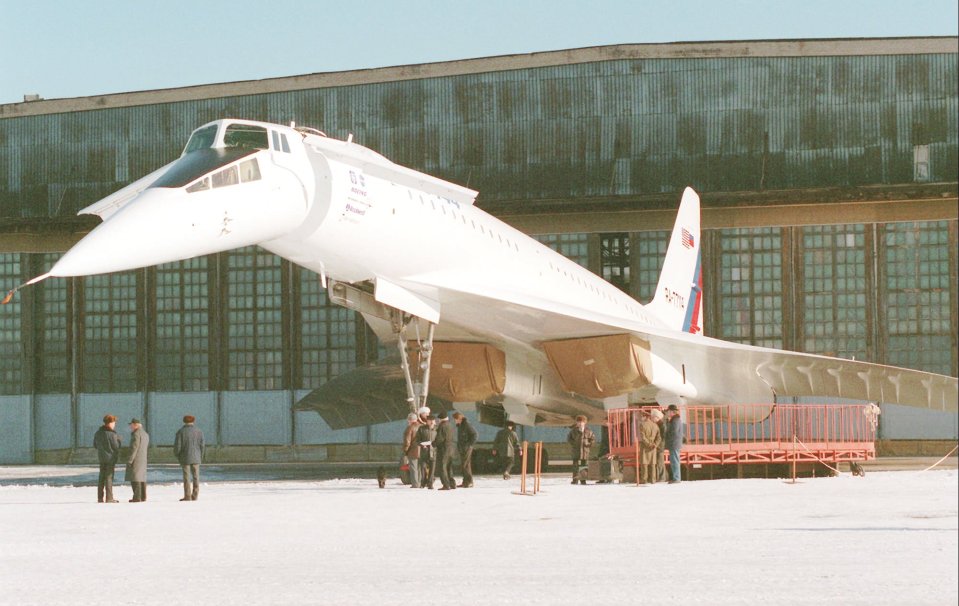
[[688, 241]]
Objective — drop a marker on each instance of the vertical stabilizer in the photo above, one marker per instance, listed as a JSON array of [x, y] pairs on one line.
[[678, 301]]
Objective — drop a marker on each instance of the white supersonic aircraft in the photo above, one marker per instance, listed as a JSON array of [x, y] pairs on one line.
[[483, 317]]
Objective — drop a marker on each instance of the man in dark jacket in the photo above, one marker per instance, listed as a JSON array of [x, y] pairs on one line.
[[188, 448], [137, 461], [675, 432], [506, 446], [424, 437], [465, 439], [580, 440], [107, 443], [444, 452]]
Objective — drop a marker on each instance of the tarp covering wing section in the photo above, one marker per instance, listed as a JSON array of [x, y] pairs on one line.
[[601, 367], [365, 396], [467, 372]]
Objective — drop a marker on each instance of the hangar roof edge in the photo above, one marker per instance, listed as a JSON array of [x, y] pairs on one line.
[[670, 50]]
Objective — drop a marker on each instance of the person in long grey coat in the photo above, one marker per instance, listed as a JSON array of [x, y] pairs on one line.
[[188, 448], [136, 471], [107, 443]]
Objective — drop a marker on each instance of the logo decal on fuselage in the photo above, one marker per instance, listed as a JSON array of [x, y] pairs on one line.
[[356, 199]]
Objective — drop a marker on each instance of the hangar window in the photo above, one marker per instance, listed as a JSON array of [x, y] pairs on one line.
[[751, 294], [918, 293], [182, 346], [920, 163], [254, 318], [834, 302], [10, 336], [649, 249], [326, 332], [247, 136], [54, 359], [109, 350], [614, 255]]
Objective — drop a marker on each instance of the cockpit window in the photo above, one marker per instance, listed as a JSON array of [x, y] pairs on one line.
[[246, 136], [201, 185], [249, 170], [244, 172], [227, 176], [202, 162], [201, 139]]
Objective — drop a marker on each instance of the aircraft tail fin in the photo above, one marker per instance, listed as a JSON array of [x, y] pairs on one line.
[[679, 294]]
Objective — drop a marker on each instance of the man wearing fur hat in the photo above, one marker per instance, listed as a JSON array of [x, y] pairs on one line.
[[136, 471], [188, 448], [107, 443]]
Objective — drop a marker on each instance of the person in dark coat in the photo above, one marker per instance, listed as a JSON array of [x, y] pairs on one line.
[[107, 443], [580, 439], [506, 447], [411, 449], [675, 432], [136, 471], [465, 440], [188, 448], [444, 452], [424, 437]]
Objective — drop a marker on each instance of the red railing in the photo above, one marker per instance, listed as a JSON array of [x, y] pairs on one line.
[[761, 433]]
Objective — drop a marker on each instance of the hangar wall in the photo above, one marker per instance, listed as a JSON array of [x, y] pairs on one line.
[[860, 135]]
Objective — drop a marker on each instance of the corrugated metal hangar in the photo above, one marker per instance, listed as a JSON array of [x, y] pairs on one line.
[[828, 171]]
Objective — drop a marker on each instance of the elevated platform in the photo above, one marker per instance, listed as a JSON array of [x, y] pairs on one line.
[[738, 434]]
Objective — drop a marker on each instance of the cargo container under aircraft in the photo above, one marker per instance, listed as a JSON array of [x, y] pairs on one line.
[[482, 316]]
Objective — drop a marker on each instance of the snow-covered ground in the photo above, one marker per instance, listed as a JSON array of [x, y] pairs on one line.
[[887, 538]]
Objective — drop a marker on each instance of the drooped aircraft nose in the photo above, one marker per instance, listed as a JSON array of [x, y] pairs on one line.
[[162, 225]]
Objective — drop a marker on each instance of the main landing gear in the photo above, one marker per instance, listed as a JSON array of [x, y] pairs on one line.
[[414, 356]]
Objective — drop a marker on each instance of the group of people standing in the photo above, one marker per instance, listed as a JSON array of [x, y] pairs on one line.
[[428, 448], [658, 433], [187, 446]]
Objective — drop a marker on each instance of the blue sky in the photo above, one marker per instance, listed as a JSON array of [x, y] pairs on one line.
[[69, 48]]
